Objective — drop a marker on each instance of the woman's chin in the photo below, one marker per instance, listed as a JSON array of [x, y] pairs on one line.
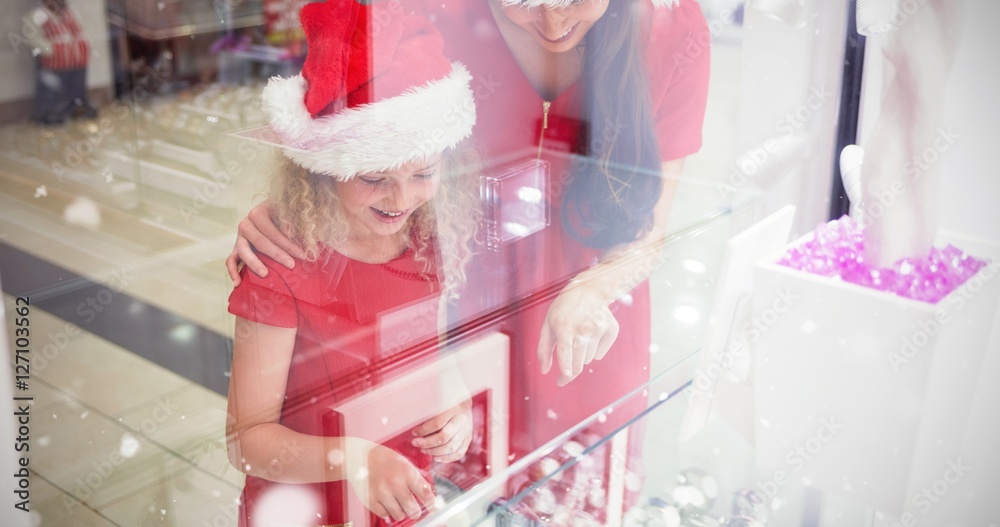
[[553, 47]]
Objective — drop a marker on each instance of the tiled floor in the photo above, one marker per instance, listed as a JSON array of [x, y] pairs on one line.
[[115, 435]]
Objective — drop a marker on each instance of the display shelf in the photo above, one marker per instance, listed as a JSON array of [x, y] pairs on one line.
[[709, 479]]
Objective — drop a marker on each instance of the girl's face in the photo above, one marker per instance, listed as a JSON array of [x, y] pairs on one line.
[[379, 203], [556, 29]]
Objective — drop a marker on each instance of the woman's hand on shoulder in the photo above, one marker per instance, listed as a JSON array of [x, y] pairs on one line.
[[258, 231], [578, 329]]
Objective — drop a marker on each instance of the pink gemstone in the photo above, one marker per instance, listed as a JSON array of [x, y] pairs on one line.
[[837, 249]]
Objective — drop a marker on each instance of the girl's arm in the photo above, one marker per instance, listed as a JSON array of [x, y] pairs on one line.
[[579, 326], [260, 446]]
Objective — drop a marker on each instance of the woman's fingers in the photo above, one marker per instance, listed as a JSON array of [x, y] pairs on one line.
[[233, 267], [258, 231], [250, 238], [592, 345], [580, 345], [262, 232], [545, 345], [569, 353], [245, 254], [578, 329], [609, 338], [564, 354], [590, 340]]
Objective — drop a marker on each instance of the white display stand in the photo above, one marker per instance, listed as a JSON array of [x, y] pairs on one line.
[[843, 403]]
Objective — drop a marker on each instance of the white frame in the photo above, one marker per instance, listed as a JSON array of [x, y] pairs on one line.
[[484, 365]]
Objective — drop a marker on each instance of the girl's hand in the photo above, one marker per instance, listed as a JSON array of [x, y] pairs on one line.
[[447, 436], [258, 231], [578, 329], [388, 484]]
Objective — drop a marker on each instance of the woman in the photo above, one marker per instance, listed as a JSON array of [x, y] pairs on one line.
[[623, 84]]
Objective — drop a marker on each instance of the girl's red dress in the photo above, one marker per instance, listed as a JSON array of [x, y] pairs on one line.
[[344, 339]]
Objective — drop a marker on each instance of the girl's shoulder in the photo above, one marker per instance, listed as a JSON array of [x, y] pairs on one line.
[[312, 281]]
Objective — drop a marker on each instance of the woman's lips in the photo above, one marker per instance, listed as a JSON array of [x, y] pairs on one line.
[[391, 217], [564, 38]]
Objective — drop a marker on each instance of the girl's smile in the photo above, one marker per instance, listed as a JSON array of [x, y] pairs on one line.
[[377, 205]]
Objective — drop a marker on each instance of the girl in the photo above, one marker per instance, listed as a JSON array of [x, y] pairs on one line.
[[368, 133]]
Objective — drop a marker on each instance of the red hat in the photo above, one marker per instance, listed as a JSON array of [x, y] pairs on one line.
[[376, 91]]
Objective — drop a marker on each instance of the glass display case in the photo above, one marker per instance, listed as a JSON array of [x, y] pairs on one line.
[[707, 479], [117, 228]]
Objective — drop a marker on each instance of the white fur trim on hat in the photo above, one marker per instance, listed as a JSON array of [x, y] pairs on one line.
[[374, 137], [564, 3]]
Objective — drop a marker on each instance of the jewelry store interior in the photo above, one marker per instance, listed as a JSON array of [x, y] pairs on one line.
[[531, 321]]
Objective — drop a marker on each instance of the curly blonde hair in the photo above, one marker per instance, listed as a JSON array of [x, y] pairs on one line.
[[306, 207]]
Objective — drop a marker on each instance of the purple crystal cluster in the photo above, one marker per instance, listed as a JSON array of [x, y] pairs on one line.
[[837, 250]]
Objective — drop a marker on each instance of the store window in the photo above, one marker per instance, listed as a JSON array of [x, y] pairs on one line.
[[511, 228]]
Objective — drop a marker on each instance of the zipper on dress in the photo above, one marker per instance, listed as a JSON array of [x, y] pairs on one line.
[[546, 106]]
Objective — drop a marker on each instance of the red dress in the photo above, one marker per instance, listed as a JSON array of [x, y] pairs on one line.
[[508, 125], [345, 336]]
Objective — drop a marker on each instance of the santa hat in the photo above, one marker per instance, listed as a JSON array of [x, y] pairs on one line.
[[375, 92], [563, 3]]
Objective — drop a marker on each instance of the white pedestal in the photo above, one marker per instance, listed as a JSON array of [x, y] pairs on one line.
[[864, 393]]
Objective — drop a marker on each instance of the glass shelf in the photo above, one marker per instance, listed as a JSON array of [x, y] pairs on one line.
[[707, 479]]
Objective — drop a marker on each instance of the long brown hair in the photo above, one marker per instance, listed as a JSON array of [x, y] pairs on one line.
[[611, 198]]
